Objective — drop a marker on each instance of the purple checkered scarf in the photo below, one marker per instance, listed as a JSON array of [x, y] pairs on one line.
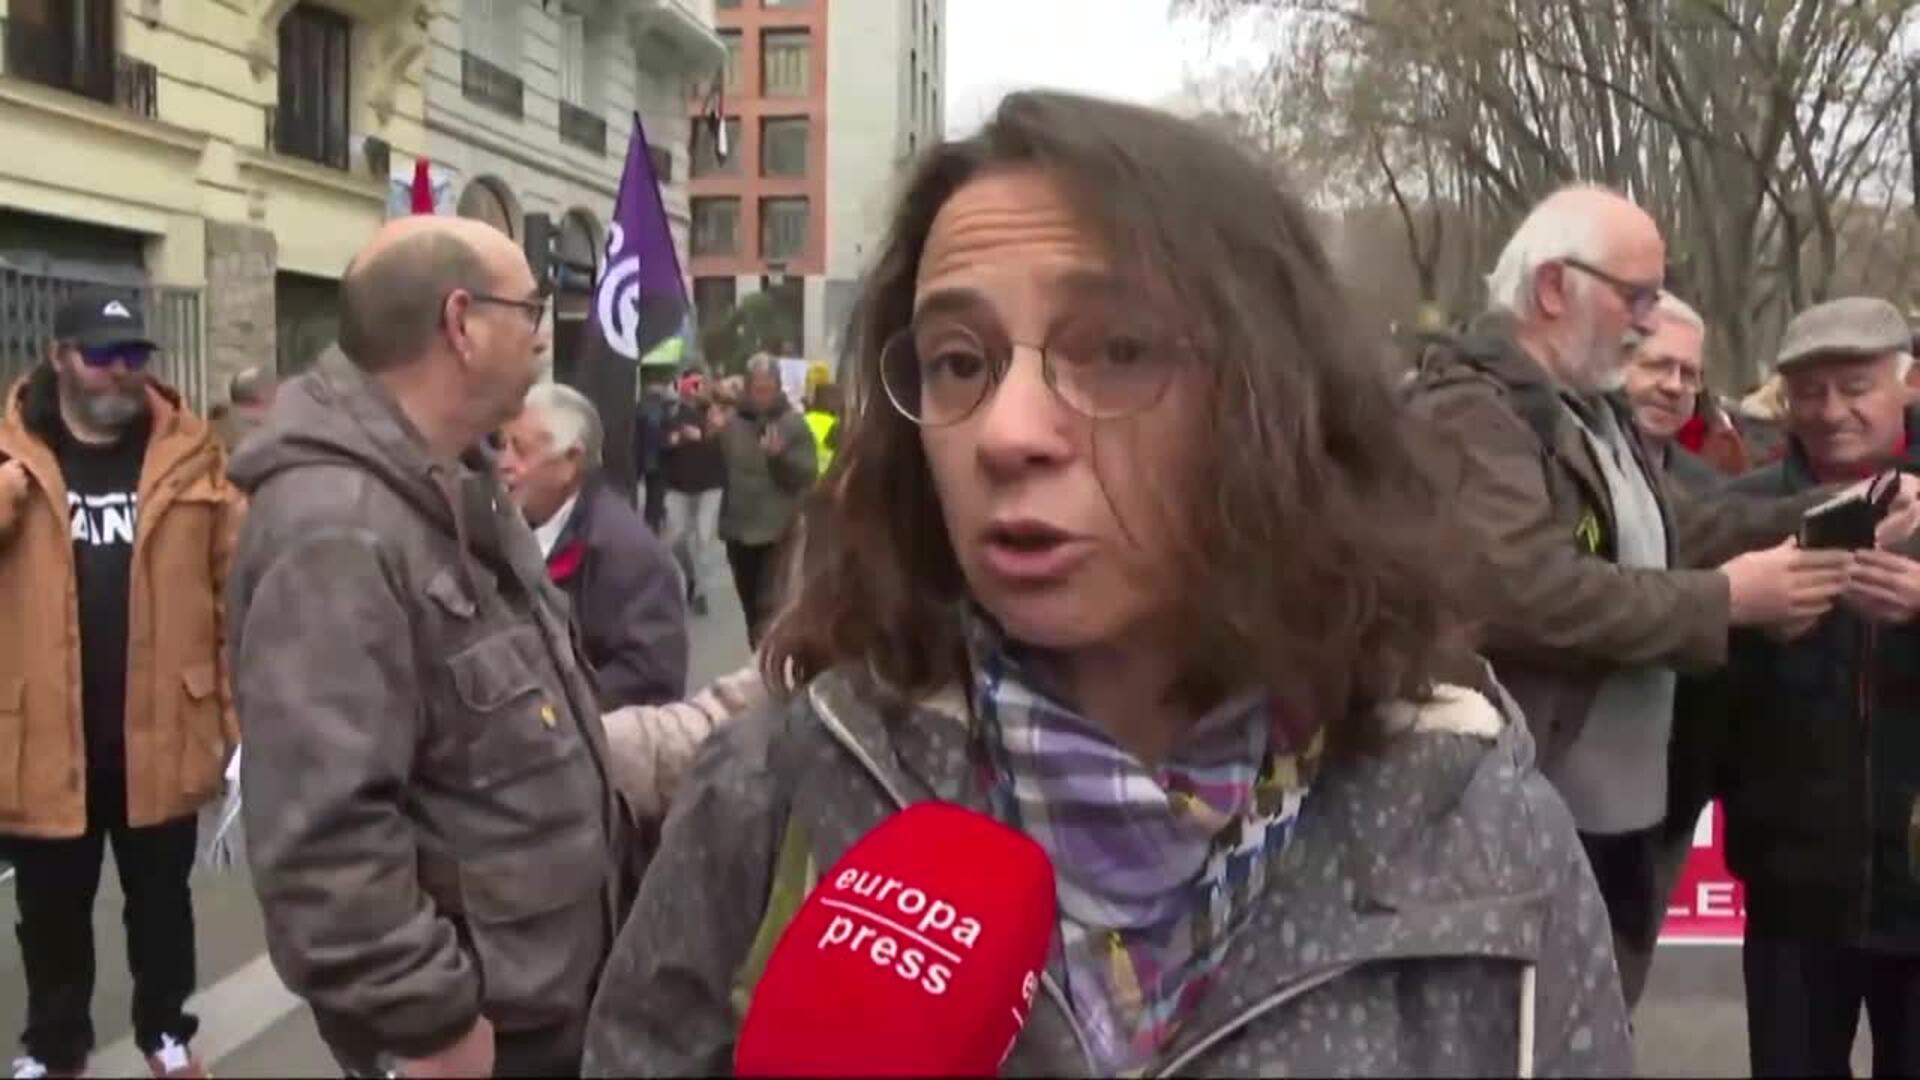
[[1154, 867]]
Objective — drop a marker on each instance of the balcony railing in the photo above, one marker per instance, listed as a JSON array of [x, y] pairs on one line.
[[136, 87], [493, 87], [581, 128]]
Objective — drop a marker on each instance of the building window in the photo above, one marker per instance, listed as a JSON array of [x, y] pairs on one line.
[[661, 159], [713, 300], [913, 80], [727, 5], [490, 29], [731, 39], [490, 56], [786, 63], [573, 58], [315, 61], [716, 227], [783, 228], [706, 159], [583, 128], [783, 145], [63, 44]]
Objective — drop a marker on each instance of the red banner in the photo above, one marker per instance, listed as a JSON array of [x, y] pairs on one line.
[[1708, 905]]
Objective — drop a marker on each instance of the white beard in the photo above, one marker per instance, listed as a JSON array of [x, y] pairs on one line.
[[1592, 365]]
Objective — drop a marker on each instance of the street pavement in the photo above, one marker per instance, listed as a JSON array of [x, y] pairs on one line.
[[1691, 1024]]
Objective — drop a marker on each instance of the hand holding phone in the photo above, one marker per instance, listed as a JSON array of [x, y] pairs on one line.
[[1849, 520]]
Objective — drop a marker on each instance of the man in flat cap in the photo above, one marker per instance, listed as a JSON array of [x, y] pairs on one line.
[[1822, 783]]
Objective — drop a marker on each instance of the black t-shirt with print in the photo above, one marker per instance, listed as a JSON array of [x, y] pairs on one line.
[[103, 484]]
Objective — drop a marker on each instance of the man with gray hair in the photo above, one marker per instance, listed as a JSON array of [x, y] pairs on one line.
[[1820, 766], [249, 396], [625, 589], [1595, 579], [770, 467], [434, 835], [1666, 382]]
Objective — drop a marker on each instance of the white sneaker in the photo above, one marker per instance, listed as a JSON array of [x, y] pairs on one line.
[[27, 1068], [173, 1059]]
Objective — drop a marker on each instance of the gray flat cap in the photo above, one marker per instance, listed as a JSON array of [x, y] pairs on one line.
[[1851, 326]]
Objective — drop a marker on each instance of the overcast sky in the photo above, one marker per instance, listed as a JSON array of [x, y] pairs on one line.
[[1128, 49]]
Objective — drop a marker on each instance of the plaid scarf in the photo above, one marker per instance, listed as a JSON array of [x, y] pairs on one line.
[[1155, 868]]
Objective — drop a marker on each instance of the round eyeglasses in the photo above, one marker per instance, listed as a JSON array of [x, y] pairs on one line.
[[939, 375]]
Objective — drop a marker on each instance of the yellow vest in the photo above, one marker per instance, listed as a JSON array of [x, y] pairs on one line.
[[822, 425]]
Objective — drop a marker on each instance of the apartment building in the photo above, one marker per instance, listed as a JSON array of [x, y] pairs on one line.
[[529, 109], [226, 156], [824, 102]]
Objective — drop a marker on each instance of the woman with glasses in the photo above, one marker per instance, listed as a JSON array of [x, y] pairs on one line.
[[1128, 548]]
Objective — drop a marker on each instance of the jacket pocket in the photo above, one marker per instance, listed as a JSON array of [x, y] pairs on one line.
[[203, 744], [513, 724], [535, 921], [13, 734]]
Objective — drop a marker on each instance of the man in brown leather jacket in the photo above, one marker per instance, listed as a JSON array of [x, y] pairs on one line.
[[1596, 579], [433, 834]]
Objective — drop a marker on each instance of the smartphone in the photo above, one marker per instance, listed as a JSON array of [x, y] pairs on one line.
[[1847, 522]]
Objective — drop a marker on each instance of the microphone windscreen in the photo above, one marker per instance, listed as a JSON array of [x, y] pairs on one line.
[[918, 954]]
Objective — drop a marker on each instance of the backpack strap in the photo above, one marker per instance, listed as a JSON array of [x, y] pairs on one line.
[[794, 876]]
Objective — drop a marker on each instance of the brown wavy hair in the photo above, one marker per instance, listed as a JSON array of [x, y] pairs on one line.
[[1313, 549]]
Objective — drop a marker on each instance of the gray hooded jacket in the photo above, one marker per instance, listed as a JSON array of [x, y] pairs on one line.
[[429, 817], [1433, 914]]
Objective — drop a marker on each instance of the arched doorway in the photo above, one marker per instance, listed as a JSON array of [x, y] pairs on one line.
[[487, 199], [579, 247]]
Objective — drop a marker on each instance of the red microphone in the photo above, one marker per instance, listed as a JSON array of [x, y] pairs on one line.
[[918, 954]]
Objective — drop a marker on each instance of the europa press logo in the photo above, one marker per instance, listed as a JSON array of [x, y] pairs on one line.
[[617, 298], [898, 927], [917, 954]]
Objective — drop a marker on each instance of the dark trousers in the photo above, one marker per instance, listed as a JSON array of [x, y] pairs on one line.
[[54, 885], [1804, 1000], [653, 508], [1626, 867], [753, 569]]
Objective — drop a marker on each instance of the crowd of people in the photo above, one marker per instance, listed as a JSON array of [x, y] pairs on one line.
[[1364, 717]]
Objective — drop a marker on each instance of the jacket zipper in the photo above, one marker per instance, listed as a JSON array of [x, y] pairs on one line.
[[1863, 688], [846, 740]]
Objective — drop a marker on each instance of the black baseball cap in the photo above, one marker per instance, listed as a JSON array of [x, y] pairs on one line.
[[102, 318]]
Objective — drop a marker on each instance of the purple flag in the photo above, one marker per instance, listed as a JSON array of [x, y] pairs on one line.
[[640, 299], [638, 302]]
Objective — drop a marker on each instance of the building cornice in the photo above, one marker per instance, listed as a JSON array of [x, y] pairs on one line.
[[547, 160], [697, 47], [111, 118]]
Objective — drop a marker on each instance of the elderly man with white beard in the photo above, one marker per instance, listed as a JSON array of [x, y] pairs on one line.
[[1595, 580]]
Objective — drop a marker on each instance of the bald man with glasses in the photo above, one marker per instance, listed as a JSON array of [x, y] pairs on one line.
[[437, 847]]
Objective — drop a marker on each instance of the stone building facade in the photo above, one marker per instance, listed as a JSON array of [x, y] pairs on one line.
[[220, 154]]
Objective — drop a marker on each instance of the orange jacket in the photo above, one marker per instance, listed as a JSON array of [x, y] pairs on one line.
[[180, 720]]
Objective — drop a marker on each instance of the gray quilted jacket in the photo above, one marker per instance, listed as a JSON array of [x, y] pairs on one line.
[[1432, 916]]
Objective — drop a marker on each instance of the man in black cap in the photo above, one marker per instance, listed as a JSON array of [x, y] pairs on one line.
[[116, 527], [1820, 759]]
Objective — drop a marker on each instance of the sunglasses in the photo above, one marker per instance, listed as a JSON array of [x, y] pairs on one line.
[[132, 357]]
